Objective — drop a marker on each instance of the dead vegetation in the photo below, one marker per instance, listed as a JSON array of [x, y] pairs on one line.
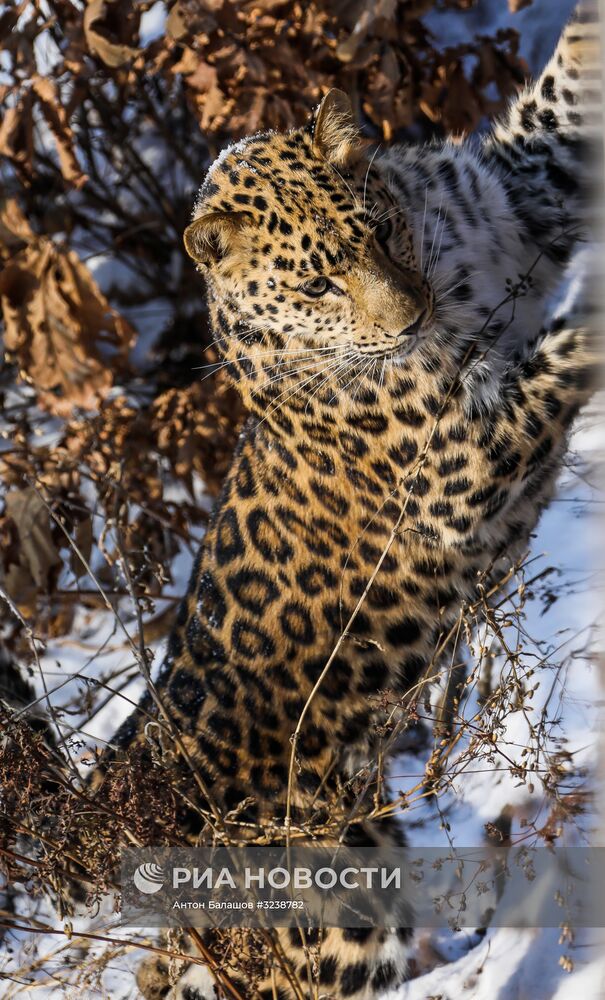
[[108, 430]]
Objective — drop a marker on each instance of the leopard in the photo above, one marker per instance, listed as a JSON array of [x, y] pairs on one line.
[[384, 317]]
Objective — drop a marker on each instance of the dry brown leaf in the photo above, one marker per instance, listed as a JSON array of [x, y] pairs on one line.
[[188, 62], [176, 23], [389, 100], [371, 12], [216, 107], [66, 337], [500, 66], [21, 588], [451, 100], [58, 122], [204, 77], [265, 6], [14, 228], [196, 429], [196, 19], [38, 557], [110, 52], [16, 131]]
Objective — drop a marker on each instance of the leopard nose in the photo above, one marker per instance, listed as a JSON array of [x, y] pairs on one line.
[[415, 326]]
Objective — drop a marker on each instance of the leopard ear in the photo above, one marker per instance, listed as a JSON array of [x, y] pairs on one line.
[[213, 235], [336, 136]]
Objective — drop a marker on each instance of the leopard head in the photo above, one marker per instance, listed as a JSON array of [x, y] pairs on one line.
[[306, 252]]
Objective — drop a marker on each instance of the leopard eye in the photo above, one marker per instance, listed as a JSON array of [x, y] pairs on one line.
[[383, 230], [317, 287]]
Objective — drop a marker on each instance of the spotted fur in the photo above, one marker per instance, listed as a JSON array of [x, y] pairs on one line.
[[379, 314]]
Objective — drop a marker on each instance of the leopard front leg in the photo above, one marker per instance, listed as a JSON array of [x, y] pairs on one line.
[[541, 398], [523, 437]]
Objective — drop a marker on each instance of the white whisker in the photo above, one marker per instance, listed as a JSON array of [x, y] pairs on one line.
[[311, 354], [426, 196], [438, 252], [356, 201], [443, 293], [332, 374], [296, 389], [390, 213], [290, 372], [276, 352], [360, 376], [365, 183], [217, 367], [434, 253]]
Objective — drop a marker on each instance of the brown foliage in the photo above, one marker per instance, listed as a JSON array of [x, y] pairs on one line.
[[58, 323], [78, 834]]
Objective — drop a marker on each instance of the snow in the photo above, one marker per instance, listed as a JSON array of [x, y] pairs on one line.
[[152, 23], [512, 964]]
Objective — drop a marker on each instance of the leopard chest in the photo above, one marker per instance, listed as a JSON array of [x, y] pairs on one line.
[[343, 544], [307, 531]]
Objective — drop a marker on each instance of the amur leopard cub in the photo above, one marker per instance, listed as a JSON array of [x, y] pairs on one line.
[[382, 317]]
